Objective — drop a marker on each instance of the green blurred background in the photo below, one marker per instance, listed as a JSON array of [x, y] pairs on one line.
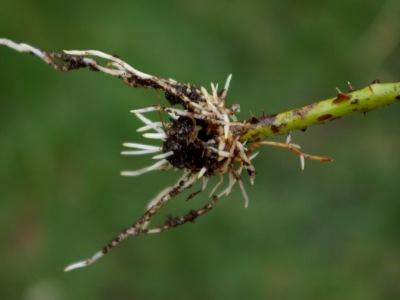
[[330, 232]]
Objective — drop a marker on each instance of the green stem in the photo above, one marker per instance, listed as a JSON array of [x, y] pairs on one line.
[[374, 96]]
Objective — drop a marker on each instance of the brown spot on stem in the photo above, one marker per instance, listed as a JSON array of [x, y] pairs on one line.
[[265, 119], [274, 128], [302, 112], [324, 117], [341, 97], [375, 81]]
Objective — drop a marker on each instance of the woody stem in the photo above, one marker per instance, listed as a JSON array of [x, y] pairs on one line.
[[373, 96]]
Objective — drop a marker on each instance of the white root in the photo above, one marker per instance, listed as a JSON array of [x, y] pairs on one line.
[[157, 166]]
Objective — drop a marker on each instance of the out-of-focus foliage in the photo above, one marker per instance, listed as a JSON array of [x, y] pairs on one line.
[[330, 232]]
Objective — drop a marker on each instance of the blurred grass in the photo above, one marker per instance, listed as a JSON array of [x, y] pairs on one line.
[[331, 232]]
